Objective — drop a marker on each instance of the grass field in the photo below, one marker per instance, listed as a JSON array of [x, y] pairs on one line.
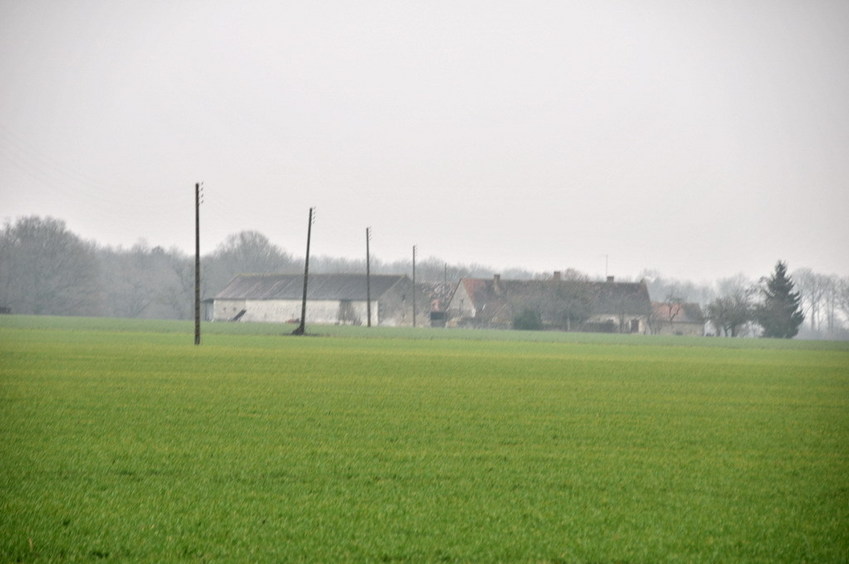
[[120, 440]]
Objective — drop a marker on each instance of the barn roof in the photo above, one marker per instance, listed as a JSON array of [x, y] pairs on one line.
[[630, 298], [320, 287]]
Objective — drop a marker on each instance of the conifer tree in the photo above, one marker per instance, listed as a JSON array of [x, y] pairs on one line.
[[780, 314]]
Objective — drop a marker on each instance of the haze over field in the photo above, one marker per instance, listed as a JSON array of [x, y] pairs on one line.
[[699, 140]]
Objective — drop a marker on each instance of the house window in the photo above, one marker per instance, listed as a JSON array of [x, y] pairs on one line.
[[635, 326]]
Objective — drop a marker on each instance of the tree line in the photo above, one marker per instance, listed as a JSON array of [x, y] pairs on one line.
[[45, 269], [818, 304]]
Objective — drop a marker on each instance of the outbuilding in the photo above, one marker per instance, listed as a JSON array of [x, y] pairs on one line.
[[671, 318], [331, 299]]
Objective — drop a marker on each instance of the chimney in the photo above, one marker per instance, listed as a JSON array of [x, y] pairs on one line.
[[610, 278], [496, 283], [557, 276]]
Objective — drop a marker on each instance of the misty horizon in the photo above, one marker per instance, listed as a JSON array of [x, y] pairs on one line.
[[699, 141], [325, 262]]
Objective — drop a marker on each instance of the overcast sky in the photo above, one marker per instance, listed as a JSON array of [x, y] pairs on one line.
[[699, 139]]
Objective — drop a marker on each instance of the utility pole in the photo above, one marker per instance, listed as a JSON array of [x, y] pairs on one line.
[[414, 285], [302, 327], [197, 262], [368, 276]]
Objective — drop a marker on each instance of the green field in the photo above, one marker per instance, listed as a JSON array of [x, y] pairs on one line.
[[120, 440]]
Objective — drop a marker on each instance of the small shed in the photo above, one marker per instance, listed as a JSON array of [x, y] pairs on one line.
[[671, 318]]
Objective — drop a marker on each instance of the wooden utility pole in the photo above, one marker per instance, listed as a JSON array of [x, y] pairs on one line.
[[197, 263], [368, 276], [414, 285], [302, 327]]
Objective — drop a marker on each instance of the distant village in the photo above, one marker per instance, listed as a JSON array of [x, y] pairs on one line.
[[45, 269], [554, 303]]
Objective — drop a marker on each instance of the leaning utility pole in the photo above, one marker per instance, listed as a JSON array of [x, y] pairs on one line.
[[197, 262], [368, 276], [414, 285], [302, 327]]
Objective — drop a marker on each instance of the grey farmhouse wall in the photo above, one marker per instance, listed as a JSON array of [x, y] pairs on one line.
[[281, 311], [394, 308]]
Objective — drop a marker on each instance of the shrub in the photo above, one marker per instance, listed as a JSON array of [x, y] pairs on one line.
[[528, 320]]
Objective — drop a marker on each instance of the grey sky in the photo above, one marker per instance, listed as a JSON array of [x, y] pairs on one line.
[[700, 139]]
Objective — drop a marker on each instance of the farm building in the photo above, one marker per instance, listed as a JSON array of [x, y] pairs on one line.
[[331, 299], [678, 319], [570, 305]]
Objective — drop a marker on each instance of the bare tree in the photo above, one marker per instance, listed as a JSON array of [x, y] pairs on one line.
[[128, 280], [729, 313], [733, 310], [572, 302], [241, 253], [830, 304], [146, 282], [46, 269], [813, 288], [178, 295], [841, 296], [672, 306], [659, 286]]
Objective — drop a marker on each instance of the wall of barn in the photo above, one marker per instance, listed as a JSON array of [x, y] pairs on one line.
[[318, 311], [396, 306], [282, 311], [393, 309], [226, 310]]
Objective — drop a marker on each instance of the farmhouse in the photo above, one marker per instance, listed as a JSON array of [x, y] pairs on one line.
[[669, 318], [570, 305], [331, 298]]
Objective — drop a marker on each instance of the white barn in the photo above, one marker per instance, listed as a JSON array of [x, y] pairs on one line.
[[331, 299]]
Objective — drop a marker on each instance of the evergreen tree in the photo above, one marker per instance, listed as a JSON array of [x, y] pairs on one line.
[[780, 314]]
